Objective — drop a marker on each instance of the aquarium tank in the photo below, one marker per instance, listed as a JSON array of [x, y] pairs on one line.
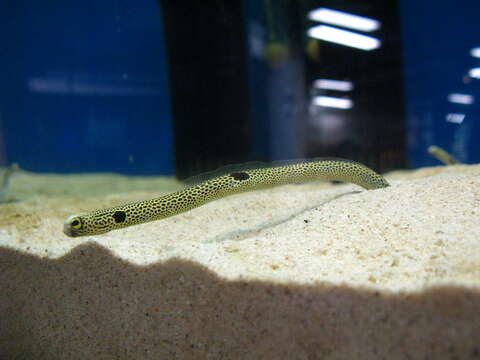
[[336, 143]]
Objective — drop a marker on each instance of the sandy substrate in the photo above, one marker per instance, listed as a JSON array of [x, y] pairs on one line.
[[296, 272]]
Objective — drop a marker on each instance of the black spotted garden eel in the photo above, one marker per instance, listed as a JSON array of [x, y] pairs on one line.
[[104, 220]]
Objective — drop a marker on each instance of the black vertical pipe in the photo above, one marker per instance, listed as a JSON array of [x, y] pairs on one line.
[[208, 82]]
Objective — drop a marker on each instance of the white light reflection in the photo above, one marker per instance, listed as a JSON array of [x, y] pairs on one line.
[[474, 73], [455, 118], [344, 37], [457, 98], [328, 84], [475, 52], [344, 19], [333, 102]]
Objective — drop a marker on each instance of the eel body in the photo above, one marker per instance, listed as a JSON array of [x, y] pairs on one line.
[[5, 182], [104, 220], [442, 156]]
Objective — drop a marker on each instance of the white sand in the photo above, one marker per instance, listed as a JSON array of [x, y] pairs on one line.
[[296, 272]]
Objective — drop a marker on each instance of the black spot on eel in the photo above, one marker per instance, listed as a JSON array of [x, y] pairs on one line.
[[104, 220]]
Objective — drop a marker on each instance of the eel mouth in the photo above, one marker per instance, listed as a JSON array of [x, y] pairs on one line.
[[67, 227], [67, 230]]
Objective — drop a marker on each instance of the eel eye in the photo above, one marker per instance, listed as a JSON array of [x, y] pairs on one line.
[[76, 223]]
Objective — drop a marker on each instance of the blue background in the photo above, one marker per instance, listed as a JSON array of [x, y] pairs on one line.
[[84, 87], [437, 39]]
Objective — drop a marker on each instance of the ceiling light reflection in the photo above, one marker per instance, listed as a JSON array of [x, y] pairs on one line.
[[344, 37], [344, 19], [328, 84], [455, 118], [474, 73], [333, 102], [458, 98], [475, 52]]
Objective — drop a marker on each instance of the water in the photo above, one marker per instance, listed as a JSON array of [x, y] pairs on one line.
[[130, 89]]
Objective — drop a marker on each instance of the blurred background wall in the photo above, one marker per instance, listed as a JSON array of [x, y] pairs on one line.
[[441, 52], [184, 86], [84, 86]]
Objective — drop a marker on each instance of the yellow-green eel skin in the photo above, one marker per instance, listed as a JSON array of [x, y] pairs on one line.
[[442, 155], [104, 220]]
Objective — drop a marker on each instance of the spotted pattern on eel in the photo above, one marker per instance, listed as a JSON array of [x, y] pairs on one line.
[[104, 220]]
